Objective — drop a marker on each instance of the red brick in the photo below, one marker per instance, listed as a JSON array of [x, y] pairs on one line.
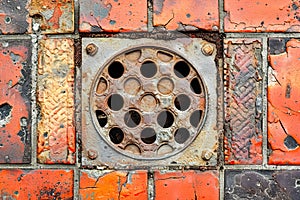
[[113, 185], [56, 129], [36, 184], [13, 17], [186, 15], [262, 16], [54, 16], [283, 105], [15, 85], [112, 16], [186, 185], [243, 102]]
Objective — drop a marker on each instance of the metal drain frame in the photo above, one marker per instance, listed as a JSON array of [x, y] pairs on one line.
[[201, 152]]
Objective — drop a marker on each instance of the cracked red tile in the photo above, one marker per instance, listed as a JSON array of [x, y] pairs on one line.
[[113, 184], [283, 105], [186, 185], [112, 16], [178, 15], [262, 16], [15, 86]]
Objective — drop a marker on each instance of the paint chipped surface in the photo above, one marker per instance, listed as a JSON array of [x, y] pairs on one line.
[[186, 185], [260, 184], [283, 104], [56, 130], [14, 17], [15, 86], [36, 184], [112, 16], [262, 16], [186, 15], [113, 185], [243, 102], [53, 16]]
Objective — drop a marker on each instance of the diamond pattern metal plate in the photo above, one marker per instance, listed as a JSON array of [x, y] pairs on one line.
[[149, 102]]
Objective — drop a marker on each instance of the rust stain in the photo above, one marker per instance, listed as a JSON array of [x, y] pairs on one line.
[[283, 105], [56, 131]]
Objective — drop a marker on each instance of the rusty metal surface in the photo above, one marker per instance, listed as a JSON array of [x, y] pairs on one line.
[[15, 86], [267, 185], [53, 16], [112, 16], [56, 130], [14, 17], [283, 101], [243, 102], [139, 105]]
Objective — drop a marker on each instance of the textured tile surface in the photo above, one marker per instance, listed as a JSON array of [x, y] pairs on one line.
[[56, 16], [283, 101], [56, 131], [15, 108], [243, 102], [186, 15], [112, 16], [262, 16], [113, 185]]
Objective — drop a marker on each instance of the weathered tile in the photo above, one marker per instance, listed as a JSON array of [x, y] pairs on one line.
[[56, 16], [113, 185], [186, 15], [262, 16], [283, 101], [15, 108], [36, 184], [112, 16], [268, 185], [186, 185], [243, 101], [14, 17], [56, 131]]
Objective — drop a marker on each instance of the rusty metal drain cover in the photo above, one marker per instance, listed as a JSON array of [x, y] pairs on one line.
[[146, 101]]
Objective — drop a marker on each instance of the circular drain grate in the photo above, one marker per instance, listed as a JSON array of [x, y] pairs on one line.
[[148, 103]]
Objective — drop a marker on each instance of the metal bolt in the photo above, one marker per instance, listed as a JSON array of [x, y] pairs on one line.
[[207, 49], [92, 154], [91, 49], [206, 155]]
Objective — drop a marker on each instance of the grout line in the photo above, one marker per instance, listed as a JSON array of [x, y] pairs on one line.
[[150, 16], [34, 111], [151, 186], [222, 183], [221, 16], [260, 167], [264, 100]]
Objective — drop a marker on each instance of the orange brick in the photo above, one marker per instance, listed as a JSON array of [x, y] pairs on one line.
[[56, 130], [54, 16], [113, 185], [36, 184], [283, 104], [112, 16], [186, 15], [186, 185], [15, 86], [262, 16]]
